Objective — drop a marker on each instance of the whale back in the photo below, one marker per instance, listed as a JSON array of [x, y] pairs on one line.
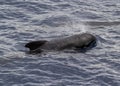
[[76, 41]]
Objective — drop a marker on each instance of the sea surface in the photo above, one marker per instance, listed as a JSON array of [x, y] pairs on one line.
[[22, 21]]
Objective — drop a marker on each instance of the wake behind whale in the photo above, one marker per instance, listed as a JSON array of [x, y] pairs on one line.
[[78, 41]]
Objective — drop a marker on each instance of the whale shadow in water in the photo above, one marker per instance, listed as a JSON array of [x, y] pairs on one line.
[[78, 42], [101, 23]]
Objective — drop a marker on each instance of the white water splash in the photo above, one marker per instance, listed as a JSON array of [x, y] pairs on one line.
[[79, 28], [14, 55]]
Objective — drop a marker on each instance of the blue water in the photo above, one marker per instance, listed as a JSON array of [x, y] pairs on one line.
[[22, 21]]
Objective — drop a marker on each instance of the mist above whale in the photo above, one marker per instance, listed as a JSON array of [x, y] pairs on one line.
[[72, 42]]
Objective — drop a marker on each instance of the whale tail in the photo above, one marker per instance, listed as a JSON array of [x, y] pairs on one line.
[[35, 44]]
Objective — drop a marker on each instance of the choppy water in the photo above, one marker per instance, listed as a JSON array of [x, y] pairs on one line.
[[24, 20]]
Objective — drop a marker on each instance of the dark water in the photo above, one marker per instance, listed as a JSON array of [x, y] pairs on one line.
[[24, 20]]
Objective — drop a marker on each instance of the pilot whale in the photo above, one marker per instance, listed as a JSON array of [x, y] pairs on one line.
[[72, 42]]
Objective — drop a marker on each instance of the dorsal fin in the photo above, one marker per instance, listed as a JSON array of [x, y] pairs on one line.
[[35, 44]]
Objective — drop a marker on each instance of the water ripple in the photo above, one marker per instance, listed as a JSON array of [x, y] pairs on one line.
[[23, 21]]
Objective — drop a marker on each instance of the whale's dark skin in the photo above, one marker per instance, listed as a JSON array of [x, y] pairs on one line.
[[75, 41]]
